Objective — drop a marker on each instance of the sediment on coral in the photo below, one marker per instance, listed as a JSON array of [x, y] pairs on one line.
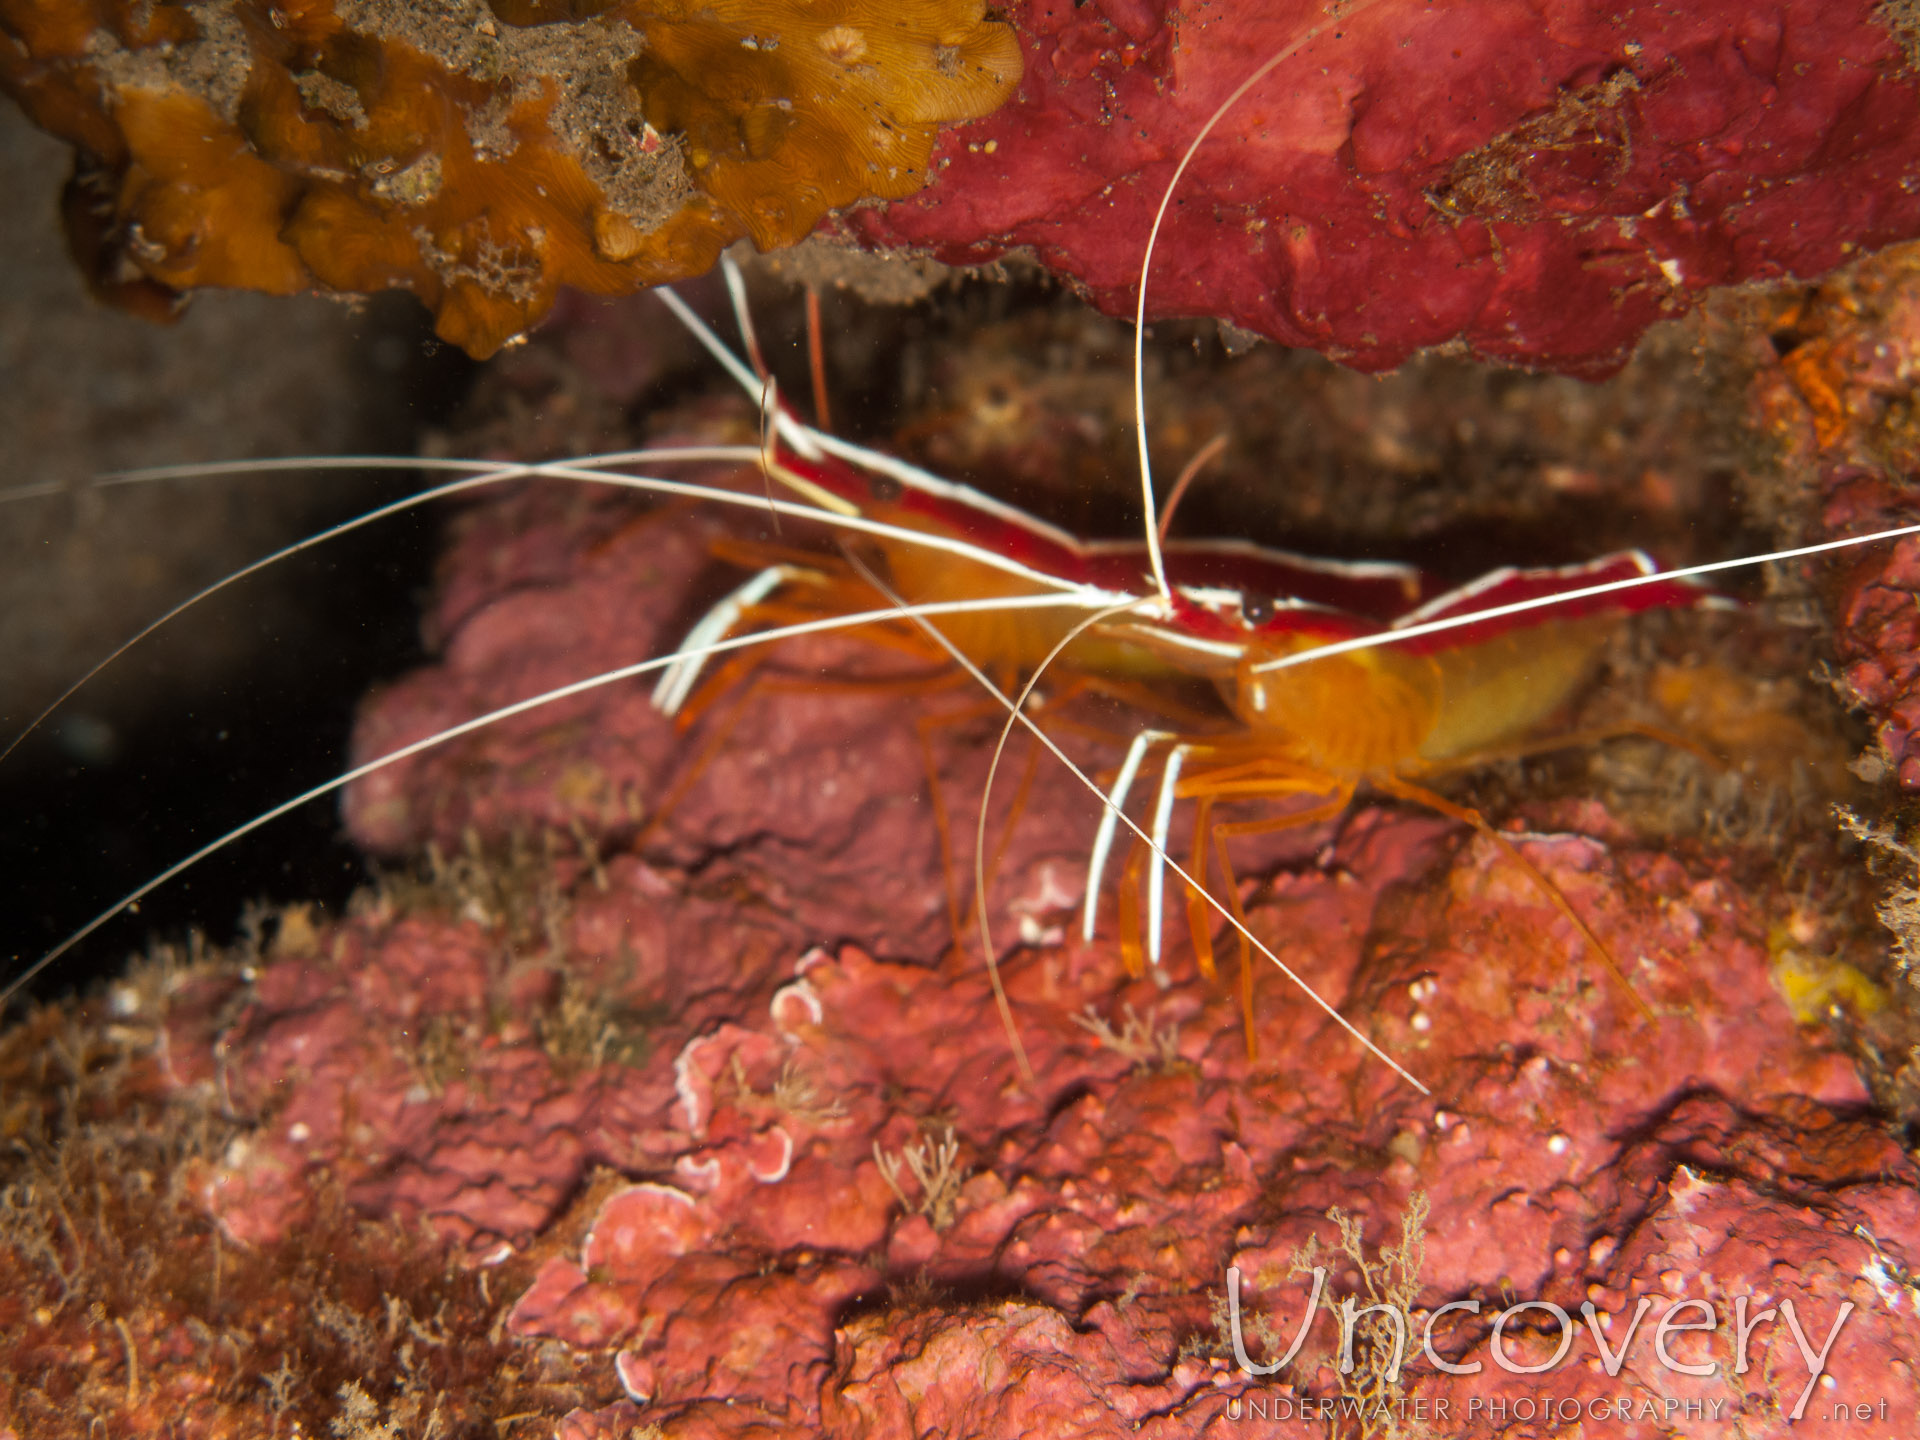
[[481, 155], [130, 1308]]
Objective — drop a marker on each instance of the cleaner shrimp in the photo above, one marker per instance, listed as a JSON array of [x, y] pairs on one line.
[[1150, 649], [1467, 677], [1464, 688], [1078, 596], [1032, 590]]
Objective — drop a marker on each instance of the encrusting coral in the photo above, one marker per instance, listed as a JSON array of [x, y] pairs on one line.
[[1835, 399], [1536, 183], [1539, 181], [480, 154]]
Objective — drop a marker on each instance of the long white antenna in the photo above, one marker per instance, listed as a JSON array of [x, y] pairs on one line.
[[1087, 600], [1566, 597], [492, 473], [1149, 506], [486, 474]]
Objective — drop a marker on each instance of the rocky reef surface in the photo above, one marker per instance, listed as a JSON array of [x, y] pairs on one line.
[[480, 155], [1533, 184], [648, 1089]]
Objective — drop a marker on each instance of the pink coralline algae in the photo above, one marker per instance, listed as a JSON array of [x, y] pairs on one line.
[[1540, 182], [747, 1145], [757, 1268]]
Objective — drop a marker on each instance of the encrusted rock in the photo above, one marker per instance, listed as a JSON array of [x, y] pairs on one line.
[[480, 155]]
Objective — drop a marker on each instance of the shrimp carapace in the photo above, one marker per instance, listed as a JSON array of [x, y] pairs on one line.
[[941, 541]]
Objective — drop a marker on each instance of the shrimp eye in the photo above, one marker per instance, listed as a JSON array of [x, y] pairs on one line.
[[883, 488], [1256, 609]]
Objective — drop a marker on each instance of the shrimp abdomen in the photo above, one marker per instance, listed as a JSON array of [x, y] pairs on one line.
[[1505, 688]]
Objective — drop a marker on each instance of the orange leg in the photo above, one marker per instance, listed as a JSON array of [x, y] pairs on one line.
[[1199, 918], [880, 631], [733, 671], [751, 555], [1260, 774], [958, 890], [690, 775], [1327, 810], [818, 587], [744, 663], [1405, 790], [923, 728], [942, 822], [1246, 947], [835, 596], [1131, 953], [1019, 806], [1277, 777], [817, 361]]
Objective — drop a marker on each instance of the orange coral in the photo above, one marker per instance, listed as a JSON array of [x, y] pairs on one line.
[[480, 152]]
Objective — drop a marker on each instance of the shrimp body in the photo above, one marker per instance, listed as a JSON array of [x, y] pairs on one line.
[[941, 542], [1433, 700], [1390, 709], [1331, 675], [1385, 714]]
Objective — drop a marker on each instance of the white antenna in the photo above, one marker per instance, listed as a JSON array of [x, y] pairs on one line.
[[1017, 714], [1152, 510], [1081, 600], [1568, 597]]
